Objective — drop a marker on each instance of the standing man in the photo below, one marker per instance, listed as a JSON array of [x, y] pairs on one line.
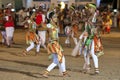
[[9, 25], [40, 21]]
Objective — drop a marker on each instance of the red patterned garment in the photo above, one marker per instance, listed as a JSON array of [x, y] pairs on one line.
[[54, 47]]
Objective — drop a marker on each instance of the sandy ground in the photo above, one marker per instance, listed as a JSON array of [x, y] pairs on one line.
[[14, 66]]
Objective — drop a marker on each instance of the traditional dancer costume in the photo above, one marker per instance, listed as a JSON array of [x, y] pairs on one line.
[[93, 43], [32, 38], [90, 42], [54, 47]]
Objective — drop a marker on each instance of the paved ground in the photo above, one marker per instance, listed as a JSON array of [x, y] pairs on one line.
[[14, 66]]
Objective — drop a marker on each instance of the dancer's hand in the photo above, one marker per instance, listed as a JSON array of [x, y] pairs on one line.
[[50, 57]]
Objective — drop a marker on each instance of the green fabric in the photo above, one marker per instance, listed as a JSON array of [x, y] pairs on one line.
[[88, 29], [71, 7], [83, 28], [92, 5], [88, 41], [91, 36]]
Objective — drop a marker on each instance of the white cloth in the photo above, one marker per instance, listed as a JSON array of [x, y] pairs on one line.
[[9, 31], [43, 18], [74, 39], [55, 62], [94, 57], [76, 49], [87, 54], [67, 41], [42, 35], [32, 44], [9, 34]]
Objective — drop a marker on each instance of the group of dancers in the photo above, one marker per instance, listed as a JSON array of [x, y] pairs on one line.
[[89, 43]]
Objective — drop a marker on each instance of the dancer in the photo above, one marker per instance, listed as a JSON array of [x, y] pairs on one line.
[[31, 37], [91, 41], [54, 47]]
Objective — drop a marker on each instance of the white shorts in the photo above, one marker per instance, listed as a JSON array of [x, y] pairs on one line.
[[9, 31]]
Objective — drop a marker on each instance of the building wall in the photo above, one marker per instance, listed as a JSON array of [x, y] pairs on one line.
[[36, 3], [31, 3], [0, 3], [69, 2], [18, 4], [84, 2]]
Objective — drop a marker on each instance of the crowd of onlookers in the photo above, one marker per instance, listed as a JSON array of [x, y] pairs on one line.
[[67, 15]]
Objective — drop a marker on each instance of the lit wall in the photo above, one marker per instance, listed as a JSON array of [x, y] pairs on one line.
[[29, 3], [98, 3]]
